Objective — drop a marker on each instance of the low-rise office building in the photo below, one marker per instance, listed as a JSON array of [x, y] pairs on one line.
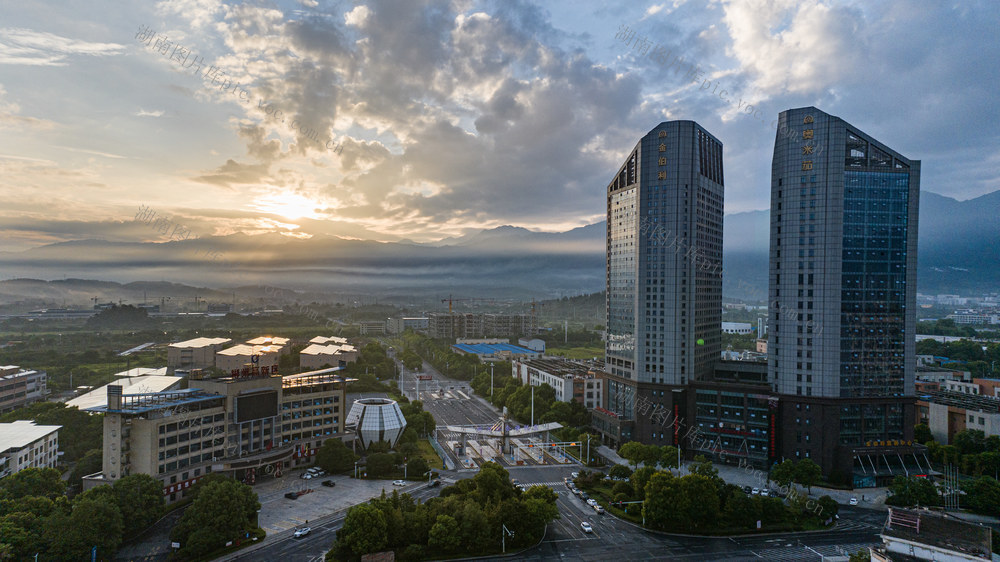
[[20, 387], [197, 353], [369, 327], [248, 427], [572, 381], [946, 412], [316, 356], [26, 445], [243, 356], [400, 325]]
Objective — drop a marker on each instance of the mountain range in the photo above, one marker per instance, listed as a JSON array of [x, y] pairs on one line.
[[959, 252]]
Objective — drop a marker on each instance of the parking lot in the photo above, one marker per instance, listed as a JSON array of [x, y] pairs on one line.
[[278, 513]]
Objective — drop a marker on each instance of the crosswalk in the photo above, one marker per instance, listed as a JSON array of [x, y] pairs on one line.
[[799, 553]]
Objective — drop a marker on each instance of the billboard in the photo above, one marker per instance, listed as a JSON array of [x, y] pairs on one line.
[[256, 406]]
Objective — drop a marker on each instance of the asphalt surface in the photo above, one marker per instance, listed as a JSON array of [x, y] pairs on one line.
[[611, 539]]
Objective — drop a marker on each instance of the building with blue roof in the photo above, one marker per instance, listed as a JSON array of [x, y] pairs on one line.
[[496, 351]]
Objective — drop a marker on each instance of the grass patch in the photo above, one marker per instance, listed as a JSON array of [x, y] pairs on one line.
[[577, 352], [428, 453]]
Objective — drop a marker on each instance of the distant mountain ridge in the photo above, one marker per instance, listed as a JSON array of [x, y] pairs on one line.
[[959, 252]]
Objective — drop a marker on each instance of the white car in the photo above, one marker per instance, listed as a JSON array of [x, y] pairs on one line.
[[306, 476], [299, 533], [586, 527], [591, 502], [599, 509], [399, 482], [575, 474], [854, 501], [755, 492]]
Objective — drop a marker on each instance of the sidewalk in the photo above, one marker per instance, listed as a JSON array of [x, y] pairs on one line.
[[873, 498]]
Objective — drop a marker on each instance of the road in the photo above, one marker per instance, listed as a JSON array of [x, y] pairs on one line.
[[311, 548]]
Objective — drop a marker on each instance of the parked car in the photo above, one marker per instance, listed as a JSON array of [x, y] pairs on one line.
[[319, 473], [575, 474], [586, 527], [306, 476], [599, 509], [578, 492], [591, 502], [329, 483], [765, 493], [302, 532], [755, 491], [399, 482], [584, 496], [292, 496], [854, 501], [747, 489]]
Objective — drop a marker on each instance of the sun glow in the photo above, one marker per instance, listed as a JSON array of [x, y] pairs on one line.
[[288, 205]]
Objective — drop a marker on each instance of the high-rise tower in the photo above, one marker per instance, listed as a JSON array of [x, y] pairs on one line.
[[842, 288], [664, 269]]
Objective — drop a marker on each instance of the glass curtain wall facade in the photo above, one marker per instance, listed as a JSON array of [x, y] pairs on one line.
[[842, 279], [664, 264]]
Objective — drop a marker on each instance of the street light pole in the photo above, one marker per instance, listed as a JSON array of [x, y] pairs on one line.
[[491, 382]]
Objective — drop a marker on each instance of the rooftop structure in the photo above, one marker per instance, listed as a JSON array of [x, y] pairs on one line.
[[497, 351], [916, 534], [26, 445], [316, 355], [197, 353], [572, 381], [269, 340], [326, 340], [144, 384]]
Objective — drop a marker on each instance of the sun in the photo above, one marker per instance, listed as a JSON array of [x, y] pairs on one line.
[[288, 205]]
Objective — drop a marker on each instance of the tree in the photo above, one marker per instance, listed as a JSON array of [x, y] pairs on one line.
[[703, 467], [222, 511], [907, 491], [91, 462], [807, 473], [702, 499], [742, 511], [922, 433], [620, 471], [639, 479], [784, 473], [416, 467], [970, 441], [546, 498], [828, 507], [864, 555], [364, 531], [633, 451], [45, 482], [444, 534], [334, 456], [140, 500], [92, 522], [668, 457], [379, 464], [983, 495]]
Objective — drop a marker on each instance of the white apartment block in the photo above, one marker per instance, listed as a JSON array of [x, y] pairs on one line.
[[572, 381], [26, 445]]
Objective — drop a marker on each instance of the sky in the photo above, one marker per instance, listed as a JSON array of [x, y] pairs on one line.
[[419, 120]]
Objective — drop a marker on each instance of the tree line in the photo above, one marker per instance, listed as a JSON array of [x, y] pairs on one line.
[[466, 520]]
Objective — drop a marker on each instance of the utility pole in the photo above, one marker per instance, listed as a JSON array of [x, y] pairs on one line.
[[503, 537], [532, 405], [491, 382]]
